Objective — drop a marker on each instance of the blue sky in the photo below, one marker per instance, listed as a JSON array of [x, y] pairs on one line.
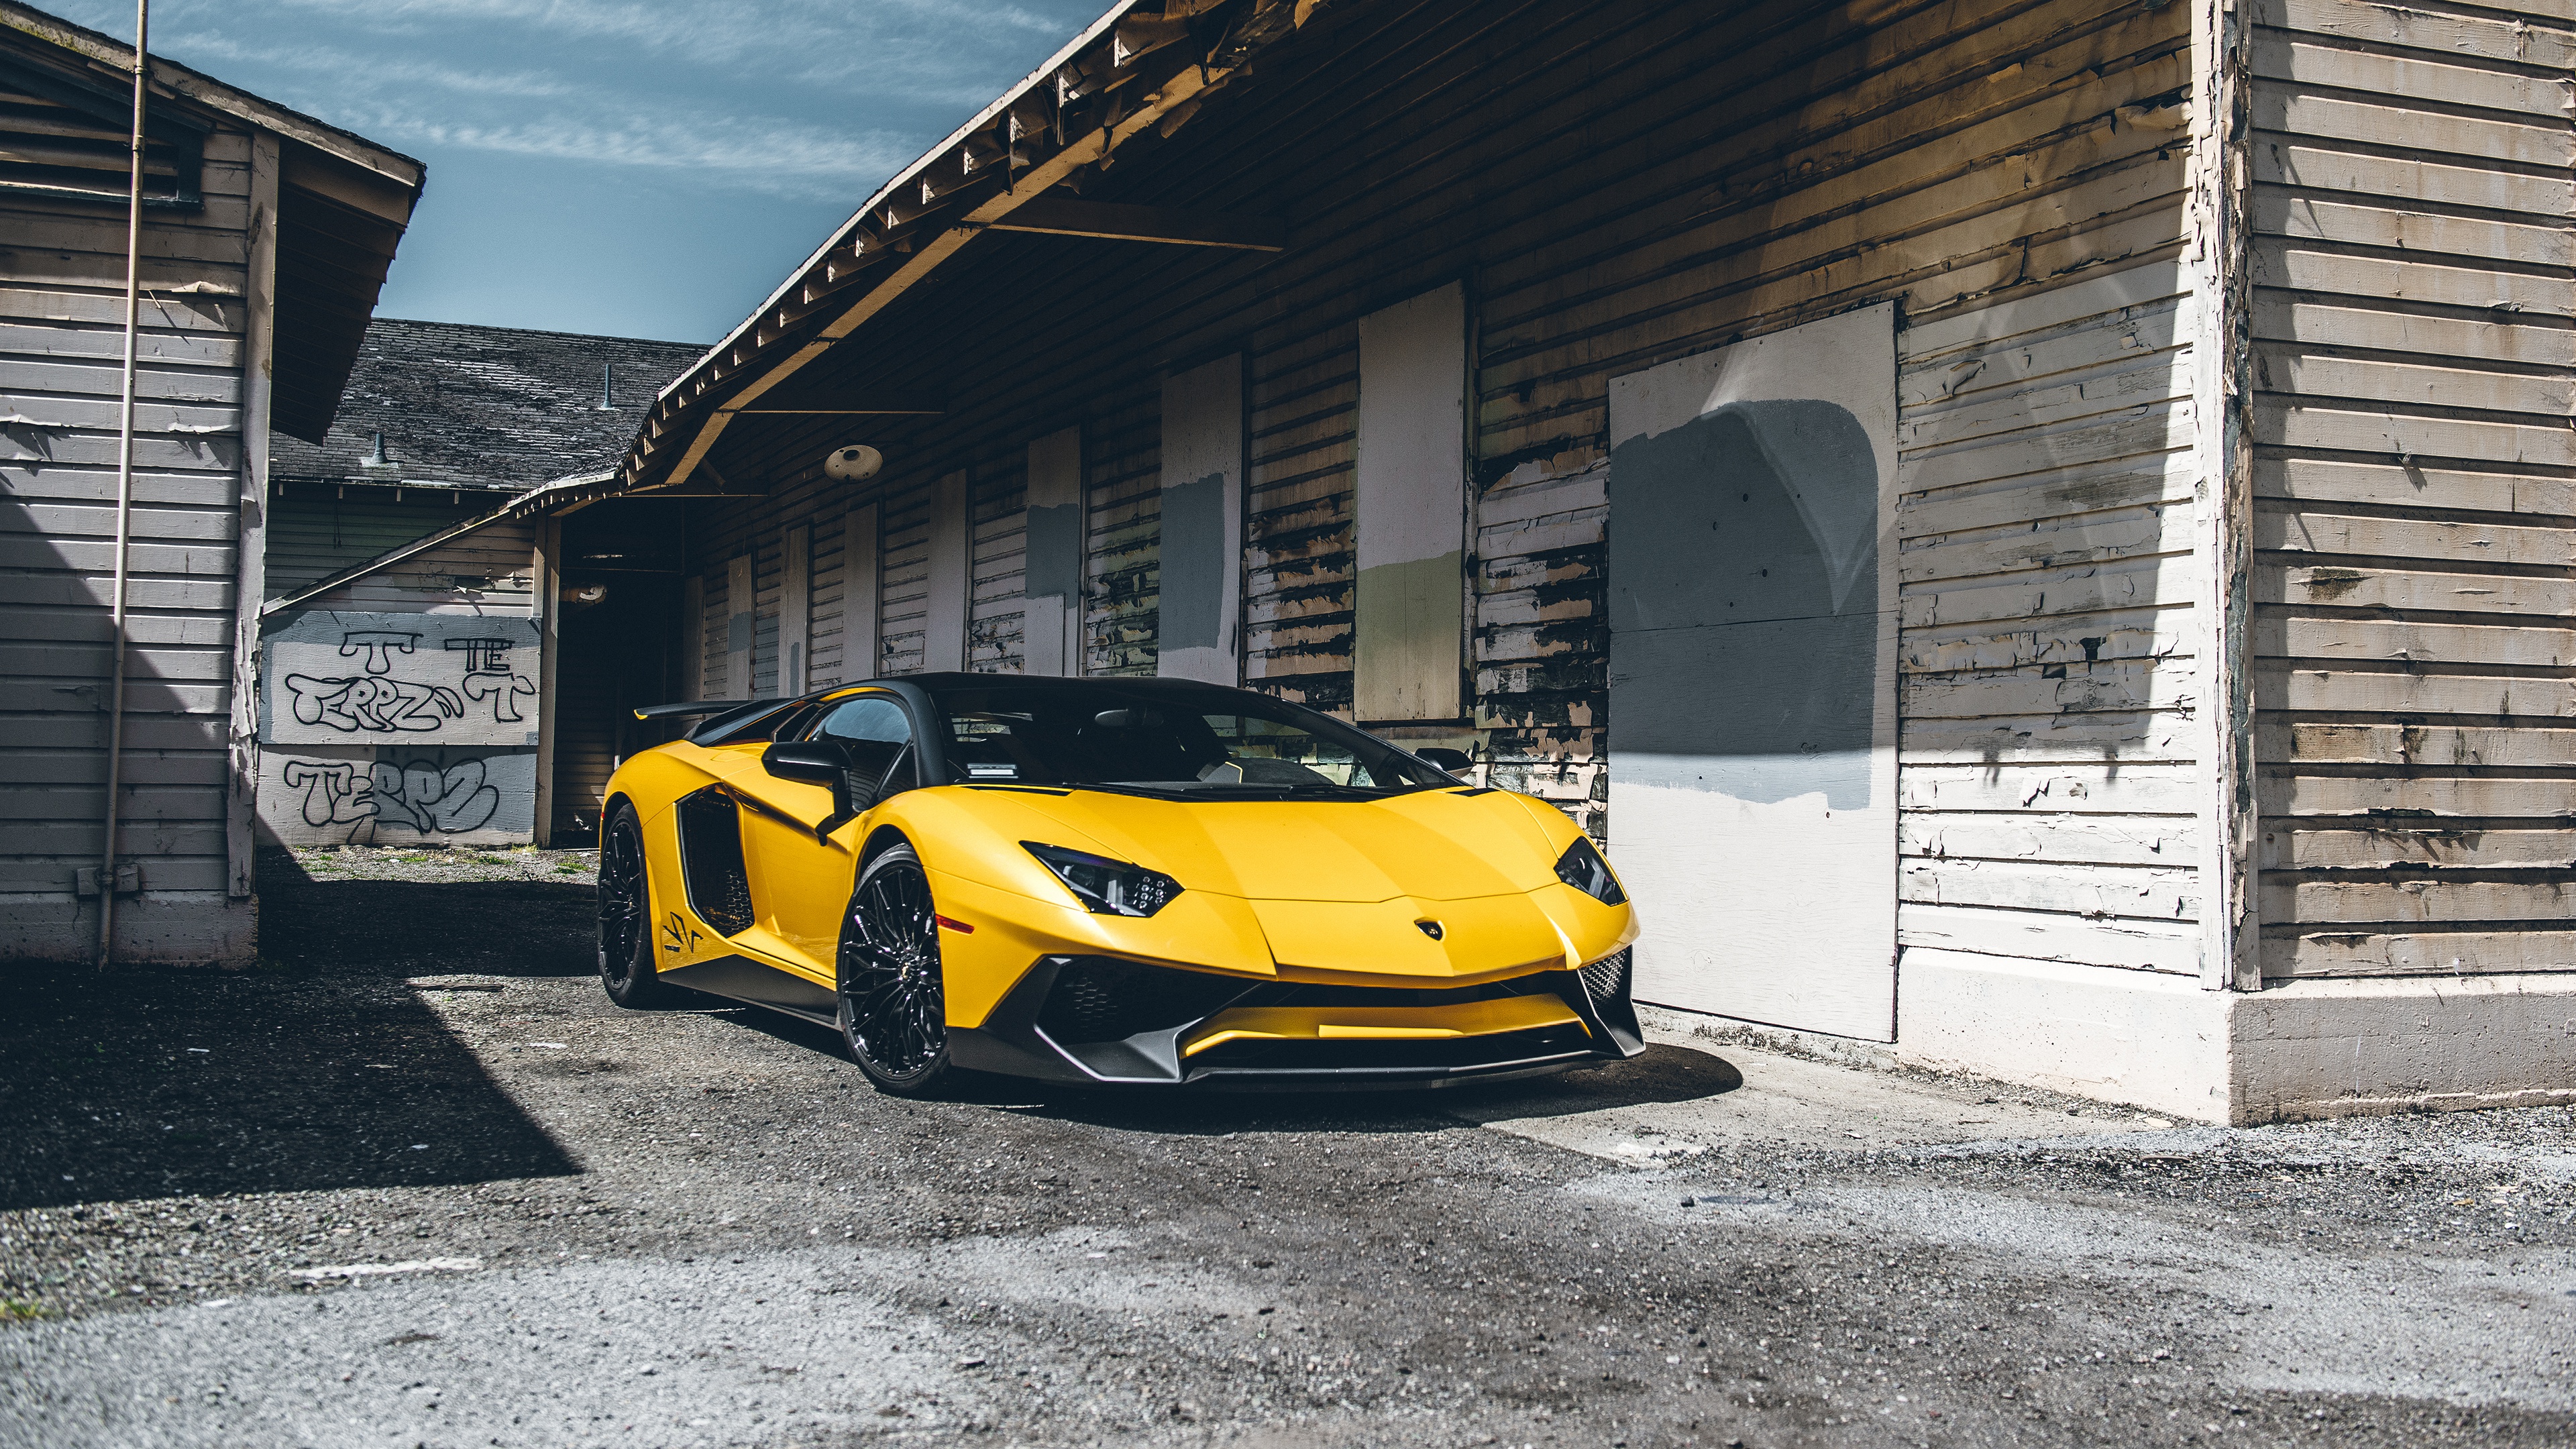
[[640, 168]]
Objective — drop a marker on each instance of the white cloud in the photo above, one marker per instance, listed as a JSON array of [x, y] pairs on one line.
[[802, 98]]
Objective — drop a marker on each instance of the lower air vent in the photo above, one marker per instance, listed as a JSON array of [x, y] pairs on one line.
[[1607, 978], [1098, 999], [711, 860]]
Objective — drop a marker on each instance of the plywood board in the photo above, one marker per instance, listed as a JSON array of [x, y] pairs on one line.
[[943, 644], [1752, 674], [795, 606], [1201, 610], [396, 794], [329, 678], [1051, 577], [861, 655], [742, 627], [1411, 510]]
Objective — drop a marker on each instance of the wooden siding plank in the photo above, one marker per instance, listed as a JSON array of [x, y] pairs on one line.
[[2425, 743]]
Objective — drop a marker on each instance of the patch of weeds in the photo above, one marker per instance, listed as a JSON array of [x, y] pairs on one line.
[[22, 1310], [489, 860], [569, 868], [409, 859]]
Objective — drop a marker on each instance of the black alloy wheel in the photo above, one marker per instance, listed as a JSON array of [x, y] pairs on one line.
[[626, 967], [894, 1002]]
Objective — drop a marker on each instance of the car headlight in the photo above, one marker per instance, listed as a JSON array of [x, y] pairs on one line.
[[1583, 868], [1108, 887]]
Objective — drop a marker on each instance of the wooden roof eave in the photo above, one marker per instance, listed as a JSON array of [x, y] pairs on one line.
[[682, 427], [118, 56]]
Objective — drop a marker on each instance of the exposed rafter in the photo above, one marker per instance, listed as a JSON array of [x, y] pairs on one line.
[[1065, 216], [1132, 71]]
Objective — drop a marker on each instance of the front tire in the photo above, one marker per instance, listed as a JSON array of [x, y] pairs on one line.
[[626, 969], [893, 992]]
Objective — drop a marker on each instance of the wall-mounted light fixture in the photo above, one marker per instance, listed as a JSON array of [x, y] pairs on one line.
[[855, 463]]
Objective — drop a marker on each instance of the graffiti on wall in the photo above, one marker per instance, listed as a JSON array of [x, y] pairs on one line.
[[419, 795], [435, 678], [381, 795]]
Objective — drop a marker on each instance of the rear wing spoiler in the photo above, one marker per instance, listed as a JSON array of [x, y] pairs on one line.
[[698, 706]]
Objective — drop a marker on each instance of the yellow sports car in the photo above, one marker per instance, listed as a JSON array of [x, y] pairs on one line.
[[1110, 881]]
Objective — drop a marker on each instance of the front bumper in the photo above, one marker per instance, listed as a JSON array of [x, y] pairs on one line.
[[1096, 1021]]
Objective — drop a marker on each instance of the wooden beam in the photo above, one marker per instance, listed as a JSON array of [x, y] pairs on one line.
[[936, 246], [794, 409], [1065, 216], [2223, 388]]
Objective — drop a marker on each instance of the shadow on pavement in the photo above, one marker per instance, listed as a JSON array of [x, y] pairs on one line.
[[320, 1070], [1661, 1074], [399, 928]]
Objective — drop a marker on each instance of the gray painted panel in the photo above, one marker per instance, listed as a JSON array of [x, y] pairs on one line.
[[1742, 613], [1053, 566], [430, 679], [1196, 564], [397, 794]]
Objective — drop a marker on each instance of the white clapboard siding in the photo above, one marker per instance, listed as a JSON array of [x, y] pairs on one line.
[[62, 312], [2412, 589], [2047, 783]]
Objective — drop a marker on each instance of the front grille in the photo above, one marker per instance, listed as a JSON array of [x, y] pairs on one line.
[[1540, 983], [1607, 978], [1397, 1055], [1098, 998]]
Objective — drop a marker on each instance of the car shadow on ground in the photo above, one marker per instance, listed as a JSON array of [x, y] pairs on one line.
[[1662, 1074], [320, 1069]]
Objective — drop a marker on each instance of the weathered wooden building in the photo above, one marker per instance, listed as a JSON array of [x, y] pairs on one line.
[[385, 531], [265, 240], [2039, 531]]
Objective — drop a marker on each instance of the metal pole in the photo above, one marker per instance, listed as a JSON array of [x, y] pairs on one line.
[[124, 491]]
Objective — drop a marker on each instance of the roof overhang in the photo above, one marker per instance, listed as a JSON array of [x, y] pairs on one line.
[[343, 205], [1131, 72]]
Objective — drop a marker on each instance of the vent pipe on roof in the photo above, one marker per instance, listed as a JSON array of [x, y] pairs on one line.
[[124, 497], [607, 388], [376, 456]]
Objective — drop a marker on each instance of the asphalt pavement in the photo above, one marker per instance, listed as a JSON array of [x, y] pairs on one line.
[[416, 1182]]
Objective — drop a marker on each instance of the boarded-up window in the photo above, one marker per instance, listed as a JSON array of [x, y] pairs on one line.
[[944, 610], [1202, 574], [741, 628], [1411, 507], [1051, 581], [862, 656], [1752, 674], [795, 607]]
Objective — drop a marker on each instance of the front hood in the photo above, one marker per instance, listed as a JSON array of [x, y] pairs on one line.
[[1438, 845]]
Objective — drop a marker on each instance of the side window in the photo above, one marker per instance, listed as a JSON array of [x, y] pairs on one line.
[[878, 736]]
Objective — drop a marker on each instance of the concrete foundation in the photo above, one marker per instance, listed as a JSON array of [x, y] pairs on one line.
[[2404, 1044], [162, 928], [2296, 1050], [2140, 1038]]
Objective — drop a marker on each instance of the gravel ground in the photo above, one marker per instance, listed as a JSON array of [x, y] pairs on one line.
[[415, 1182]]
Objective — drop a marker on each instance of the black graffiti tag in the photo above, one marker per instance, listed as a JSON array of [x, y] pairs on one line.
[[373, 706]]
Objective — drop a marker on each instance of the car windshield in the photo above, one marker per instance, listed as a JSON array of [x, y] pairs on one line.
[[1200, 740]]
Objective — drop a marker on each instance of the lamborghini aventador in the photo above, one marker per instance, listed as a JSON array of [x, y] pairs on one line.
[[1110, 881]]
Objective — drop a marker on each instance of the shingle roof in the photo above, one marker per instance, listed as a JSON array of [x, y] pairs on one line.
[[484, 407]]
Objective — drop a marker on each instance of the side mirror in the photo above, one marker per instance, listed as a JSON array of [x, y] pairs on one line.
[[816, 762], [1454, 762]]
